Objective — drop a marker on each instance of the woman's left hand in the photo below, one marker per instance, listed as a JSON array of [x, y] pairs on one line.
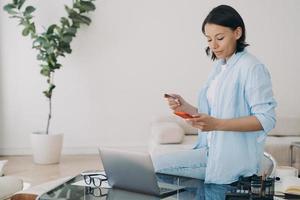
[[204, 122]]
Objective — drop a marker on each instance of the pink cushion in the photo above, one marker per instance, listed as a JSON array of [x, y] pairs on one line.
[[167, 133]]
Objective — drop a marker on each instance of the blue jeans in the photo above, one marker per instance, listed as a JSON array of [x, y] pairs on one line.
[[187, 163]]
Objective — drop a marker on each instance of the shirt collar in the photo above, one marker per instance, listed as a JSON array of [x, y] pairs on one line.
[[233, 59]]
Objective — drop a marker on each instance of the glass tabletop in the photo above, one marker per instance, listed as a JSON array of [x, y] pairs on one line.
[[194, 189]]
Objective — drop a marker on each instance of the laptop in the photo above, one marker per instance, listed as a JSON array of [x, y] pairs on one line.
[[134, 171]]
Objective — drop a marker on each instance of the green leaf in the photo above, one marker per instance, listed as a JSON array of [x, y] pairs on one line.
[[88, 6], [67, 38], [65, 47], [25, 31], [76, 24], [50, 50], [39, 42], [47, 94], [32, 27], [57, 30], [65, 21], [51, 60], [57, 66], [76, 17], [84, 6], [51, 28], [71, 31], [69, 50], [60, 54], [69, 10], [29, 10], [9, 8], [45, 70], [20, 4], [86, 20], [40, 57], [81, 19], [52, 38], [46, 45], [51, 87]]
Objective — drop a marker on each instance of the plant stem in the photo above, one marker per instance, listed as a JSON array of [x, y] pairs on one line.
[[50, 80], [49, 116]]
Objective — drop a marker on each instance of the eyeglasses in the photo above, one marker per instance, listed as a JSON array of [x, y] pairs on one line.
[[94, 179], [96, 192]]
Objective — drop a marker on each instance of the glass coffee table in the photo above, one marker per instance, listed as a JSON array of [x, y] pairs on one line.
[[194, 189]]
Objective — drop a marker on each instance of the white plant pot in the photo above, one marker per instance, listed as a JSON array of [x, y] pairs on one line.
[[46, 148], [2, 164]]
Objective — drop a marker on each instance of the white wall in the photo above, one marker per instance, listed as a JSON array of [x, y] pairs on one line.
[[135, 50]]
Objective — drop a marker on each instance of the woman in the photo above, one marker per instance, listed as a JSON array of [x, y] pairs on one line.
[[235, 108]]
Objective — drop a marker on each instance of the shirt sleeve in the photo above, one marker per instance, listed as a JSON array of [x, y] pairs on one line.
[[259, 95]]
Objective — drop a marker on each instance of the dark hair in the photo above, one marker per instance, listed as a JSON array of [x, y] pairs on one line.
[[227, 16]]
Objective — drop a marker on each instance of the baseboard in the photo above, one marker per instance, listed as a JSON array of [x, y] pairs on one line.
[[66, 150], [15, 151]]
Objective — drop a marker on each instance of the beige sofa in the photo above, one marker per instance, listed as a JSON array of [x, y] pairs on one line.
[[279, 141], [169, 133], [9, 185]]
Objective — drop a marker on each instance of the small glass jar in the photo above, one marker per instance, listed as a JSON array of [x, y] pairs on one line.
[[256, 188], [269, 186]]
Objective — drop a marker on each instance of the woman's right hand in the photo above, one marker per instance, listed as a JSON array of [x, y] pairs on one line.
[[175, 101], [178, 104]]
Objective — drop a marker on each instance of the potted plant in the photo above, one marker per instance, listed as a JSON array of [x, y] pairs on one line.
[[51, 44]]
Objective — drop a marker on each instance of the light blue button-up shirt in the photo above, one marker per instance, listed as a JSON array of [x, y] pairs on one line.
[[245, 89]]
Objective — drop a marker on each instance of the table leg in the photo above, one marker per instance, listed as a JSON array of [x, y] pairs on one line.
[[291, 149]]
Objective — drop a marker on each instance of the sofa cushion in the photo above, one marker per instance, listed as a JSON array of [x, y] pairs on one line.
[[9, 185], [167, 133], [286, 127], [37, 190], [187, 143], [279, 147], [188, 129]]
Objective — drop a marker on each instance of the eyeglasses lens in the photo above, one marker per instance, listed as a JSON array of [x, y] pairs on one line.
[[87, 179]]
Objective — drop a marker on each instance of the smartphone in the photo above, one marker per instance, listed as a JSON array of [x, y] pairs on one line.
[[183, 115], [169, 96]]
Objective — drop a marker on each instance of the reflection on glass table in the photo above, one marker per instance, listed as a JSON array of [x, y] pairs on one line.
[[194, 189]]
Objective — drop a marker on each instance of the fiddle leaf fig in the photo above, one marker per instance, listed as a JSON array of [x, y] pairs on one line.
[[55, 41]]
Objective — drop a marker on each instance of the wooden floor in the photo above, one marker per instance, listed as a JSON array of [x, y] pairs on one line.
[[34, 174]]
